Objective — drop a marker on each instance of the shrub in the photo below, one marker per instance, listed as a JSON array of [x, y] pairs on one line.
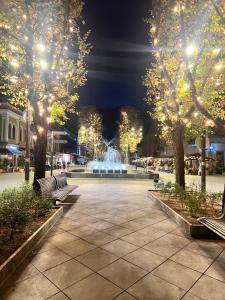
[[193, 200], [18, 205]]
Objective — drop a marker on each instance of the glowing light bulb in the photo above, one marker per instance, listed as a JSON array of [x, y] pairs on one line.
[[155, 41], [218, 67], [190, 50], [216, 51], [15, 64], [41, 47], [153, 29], [43, 64]]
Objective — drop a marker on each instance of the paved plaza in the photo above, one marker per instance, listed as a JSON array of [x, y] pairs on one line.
[[114, 244], [215, 183]]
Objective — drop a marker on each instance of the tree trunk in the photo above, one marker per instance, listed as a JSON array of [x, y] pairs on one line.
[[203, 166], [39, 158], [178, 138]]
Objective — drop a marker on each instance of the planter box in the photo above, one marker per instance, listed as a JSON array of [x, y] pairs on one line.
[[193, 230], [13, 262]]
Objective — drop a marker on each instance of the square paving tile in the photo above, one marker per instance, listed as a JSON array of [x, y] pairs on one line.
[[167, 245], [59, 296], [34, 288], [118, 231], [25, 271], [101, 225], [93, 287], [154, 288], [97, 259], [137, 238], [125, 296], [122, 273], [67, 273], [190, 296], [119, 248], [53, 231], [192, 260], [49, 259], [99, 238], [208, 288], [61, 238], [148, 220], [84, 231], [42, 247], [177, 274], [205, 248], [145, 259], [166, 225], [153, 232], [77, 247], [68, 224], [132, 225], [217, 270], [116, 220]]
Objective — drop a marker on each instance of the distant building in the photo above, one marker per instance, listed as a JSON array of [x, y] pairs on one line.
[[12, 133]]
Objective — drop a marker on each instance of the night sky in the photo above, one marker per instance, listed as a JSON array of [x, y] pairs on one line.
[[119, 57]]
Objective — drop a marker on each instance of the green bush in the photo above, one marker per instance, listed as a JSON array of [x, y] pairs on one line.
[[19, 205], [193, 200]]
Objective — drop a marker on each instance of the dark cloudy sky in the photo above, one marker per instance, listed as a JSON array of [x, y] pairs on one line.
[[120, 53]]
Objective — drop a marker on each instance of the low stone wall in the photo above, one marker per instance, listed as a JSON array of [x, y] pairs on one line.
[[194, 230]]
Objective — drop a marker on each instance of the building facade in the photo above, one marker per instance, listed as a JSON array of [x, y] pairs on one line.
[[12, 134]]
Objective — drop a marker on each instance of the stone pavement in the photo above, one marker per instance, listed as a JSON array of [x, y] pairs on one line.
[[114, 244]]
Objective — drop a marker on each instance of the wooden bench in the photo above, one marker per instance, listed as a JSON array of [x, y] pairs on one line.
[[217, 225], [56, 187]]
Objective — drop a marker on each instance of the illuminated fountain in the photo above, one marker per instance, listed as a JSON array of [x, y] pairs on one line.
[[111, 162]]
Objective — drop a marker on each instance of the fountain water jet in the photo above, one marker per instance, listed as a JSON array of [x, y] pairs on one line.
[[111, 161]]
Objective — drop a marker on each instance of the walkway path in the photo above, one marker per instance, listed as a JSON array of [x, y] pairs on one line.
[[113, 244]]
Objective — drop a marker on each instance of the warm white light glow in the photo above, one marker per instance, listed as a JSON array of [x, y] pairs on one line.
[[15, 64], [43, 64], [190, 50], [41, 47], [218, 67]]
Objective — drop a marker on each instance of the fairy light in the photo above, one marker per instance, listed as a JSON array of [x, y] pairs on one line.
[[176, 9], [196, 114], [210, 123], [218, 67], [15, 64], [43, 64], [153, 29], [216, 51], [186, 86], [190, 50], [155, 41], [26, 38], [25, 17], [71, 29], [40, 47], [13, 47]]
